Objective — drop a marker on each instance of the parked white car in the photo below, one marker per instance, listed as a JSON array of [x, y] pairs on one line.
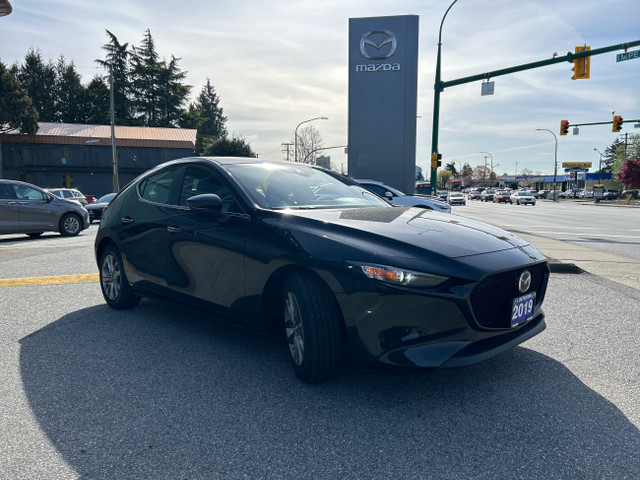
[[522, 198], [396, 197]]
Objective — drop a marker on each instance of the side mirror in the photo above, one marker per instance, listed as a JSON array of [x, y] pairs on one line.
[[388, 194], [206, 202]]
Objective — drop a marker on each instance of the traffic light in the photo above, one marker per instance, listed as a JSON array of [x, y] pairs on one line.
[[617, 123], [581, 66], [564, 127], [436, 160]]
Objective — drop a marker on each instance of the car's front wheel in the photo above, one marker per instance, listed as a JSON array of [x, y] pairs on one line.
[[113, 281], [312, 327], [70, 225]]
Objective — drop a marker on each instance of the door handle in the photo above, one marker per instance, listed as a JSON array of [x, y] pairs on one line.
[[173, 229], [23, 203], [126, 220], [11, 203]]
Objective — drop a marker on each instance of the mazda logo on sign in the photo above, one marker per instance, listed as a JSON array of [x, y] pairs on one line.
[[525, 281], [378, 45]]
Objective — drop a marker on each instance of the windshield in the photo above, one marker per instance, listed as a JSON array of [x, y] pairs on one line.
[[280, 186], [106, 198]]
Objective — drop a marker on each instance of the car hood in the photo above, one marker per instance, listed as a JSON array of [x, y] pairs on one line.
[[447, 235]]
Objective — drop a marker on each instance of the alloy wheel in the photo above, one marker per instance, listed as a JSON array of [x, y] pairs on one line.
[[71, 225], [111, 277], [294, 328]]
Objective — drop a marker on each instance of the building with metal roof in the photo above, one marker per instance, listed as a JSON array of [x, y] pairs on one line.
[[80, 156]]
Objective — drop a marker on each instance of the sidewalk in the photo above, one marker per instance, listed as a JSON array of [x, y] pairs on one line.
[[617, 268]]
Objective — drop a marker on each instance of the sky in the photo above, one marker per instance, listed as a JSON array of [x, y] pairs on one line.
[[276, 63]]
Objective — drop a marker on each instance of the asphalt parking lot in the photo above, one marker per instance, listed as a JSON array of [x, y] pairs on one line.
[[157, 393]]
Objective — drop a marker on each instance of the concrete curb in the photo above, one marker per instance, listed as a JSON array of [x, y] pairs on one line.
[[559, 267]]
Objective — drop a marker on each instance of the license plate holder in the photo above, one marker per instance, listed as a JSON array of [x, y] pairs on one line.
[[522, 308]]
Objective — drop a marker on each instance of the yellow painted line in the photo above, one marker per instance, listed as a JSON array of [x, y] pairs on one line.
[[56, 280]]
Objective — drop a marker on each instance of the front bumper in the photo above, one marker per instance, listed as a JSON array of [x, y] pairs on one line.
[[457, 326]]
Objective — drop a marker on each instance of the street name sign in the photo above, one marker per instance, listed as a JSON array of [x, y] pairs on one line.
[[621, 57]]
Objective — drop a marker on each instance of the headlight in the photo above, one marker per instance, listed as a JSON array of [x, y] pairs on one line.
[[397, 276]]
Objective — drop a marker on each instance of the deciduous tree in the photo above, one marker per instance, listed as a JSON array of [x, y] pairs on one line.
[[630, 174]]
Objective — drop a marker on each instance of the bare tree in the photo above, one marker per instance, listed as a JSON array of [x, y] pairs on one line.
[[309, 142]]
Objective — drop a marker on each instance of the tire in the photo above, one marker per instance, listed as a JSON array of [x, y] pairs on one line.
[[70, 225], [113, 281], [312, 328], [35, 234]]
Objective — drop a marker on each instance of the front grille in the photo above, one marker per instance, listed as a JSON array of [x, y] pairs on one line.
[[492, 298]]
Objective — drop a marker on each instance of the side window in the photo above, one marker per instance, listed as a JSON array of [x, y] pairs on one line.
[[27, 193], [157, 187], [199, 180], [6, 191]]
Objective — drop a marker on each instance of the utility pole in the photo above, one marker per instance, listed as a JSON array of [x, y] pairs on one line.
[[287, 149], [114, 156]]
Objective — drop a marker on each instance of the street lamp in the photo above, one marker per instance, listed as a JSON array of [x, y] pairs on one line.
[[555, 162], [599, 168], [295, 155], [436, 105], [485, 164]]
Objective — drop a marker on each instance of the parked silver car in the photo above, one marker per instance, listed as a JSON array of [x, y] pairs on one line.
[[396, 197], [69, 194], [25, 208]]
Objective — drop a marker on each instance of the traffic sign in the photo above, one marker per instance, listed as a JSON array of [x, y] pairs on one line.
[[576, 164], [621, 57]]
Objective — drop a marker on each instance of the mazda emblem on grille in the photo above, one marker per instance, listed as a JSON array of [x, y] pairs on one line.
[[525, 281]]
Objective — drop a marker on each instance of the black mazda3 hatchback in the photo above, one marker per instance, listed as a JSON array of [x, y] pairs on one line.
[[296, 249]]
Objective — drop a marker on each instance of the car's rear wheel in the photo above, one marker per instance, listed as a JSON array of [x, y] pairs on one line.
[[70, 225], [113, 281], [312, 328]]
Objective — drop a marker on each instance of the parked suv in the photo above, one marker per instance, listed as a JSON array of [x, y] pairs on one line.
[[69, 194], [25, 208]]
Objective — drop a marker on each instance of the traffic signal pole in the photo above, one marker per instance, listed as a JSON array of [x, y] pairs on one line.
[[439, 85], [436, 109]]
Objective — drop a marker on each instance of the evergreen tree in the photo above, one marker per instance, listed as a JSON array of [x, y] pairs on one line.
[[145, 72], [71, 101], [208, 103], [98, 102], [610, 153], [16, 108], [172, 93], [117, 62], [207, 116], [39, 80]]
